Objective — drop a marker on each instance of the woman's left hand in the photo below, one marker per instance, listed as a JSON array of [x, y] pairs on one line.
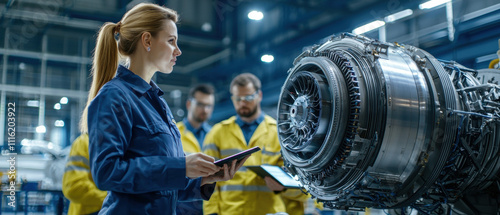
[[227, 173]]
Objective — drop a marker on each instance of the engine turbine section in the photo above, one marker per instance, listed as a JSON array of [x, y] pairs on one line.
[[364, 123]]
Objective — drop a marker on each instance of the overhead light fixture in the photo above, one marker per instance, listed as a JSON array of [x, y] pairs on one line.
[[368, 27], [57, 106], [180, 112], [267, 58], [41, 129], [206, 27], [432, 4], [33, 103], [59, 123], [255, 15], [399, 15], [64, 100], [175, 94]]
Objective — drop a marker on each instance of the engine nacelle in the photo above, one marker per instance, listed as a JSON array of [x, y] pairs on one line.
[[364, 123]]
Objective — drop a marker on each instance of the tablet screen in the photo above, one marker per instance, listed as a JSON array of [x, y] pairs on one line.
[[281, 176], [238, 156]]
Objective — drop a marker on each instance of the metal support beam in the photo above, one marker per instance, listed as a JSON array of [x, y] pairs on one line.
[[449, 20], [205, 62]]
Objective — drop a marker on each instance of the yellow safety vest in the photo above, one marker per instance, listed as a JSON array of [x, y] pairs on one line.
[[246, 193], [78, 186], [189, 142]]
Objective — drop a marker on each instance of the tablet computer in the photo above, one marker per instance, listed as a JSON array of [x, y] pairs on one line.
[[277, 173], [239, 156]]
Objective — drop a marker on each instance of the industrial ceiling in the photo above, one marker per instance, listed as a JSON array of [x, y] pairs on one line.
[[218, 40]]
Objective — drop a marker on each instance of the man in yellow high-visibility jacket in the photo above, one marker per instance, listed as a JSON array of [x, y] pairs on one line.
[[247, 193], [78, 186], [193, 129]]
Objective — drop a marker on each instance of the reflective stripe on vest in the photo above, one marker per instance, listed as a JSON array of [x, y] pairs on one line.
[[269, 153], [259, 188], [78, 158], [74, 167]]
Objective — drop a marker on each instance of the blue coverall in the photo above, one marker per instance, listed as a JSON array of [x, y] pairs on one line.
[[135, 149]]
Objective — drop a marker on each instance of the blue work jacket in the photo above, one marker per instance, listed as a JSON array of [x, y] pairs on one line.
[[135, 149]]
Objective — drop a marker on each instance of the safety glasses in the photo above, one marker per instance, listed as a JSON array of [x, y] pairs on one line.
[[248, 98], [201, 105]]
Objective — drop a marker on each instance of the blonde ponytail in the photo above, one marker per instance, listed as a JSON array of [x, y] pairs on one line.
[[144, 17], [104, 65]]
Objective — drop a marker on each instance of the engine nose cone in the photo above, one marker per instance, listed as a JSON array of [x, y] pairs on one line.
[[301, 112]]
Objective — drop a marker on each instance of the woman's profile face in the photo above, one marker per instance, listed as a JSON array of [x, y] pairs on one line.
[[164, 49]]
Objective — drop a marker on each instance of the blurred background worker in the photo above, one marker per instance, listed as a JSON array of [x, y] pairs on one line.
[[78, 186], [193, 129], [247, 193]]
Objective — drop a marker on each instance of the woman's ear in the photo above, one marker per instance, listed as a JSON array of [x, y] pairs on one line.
[[146, 40]]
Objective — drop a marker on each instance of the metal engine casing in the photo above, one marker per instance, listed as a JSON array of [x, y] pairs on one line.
[[364, 123]]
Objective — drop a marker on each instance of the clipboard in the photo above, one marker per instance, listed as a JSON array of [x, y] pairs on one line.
[[277, 174]]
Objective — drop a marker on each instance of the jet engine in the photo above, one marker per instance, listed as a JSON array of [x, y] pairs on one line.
[[370, 124]]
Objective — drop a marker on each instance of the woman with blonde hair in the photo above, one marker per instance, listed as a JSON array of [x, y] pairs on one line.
[[134, 144]]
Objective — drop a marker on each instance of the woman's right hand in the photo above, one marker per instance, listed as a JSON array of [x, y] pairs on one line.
[[200, 165], [227, 173]]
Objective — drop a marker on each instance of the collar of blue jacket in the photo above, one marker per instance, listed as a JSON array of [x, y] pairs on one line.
[[135, 82]]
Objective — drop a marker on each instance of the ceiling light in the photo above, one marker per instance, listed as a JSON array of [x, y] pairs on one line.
[[33, 103], [255, 15], [180, 112], [64, 100], [59, 123], [206, 27], [57, 106], [175, 94], [41, 129], [369, 27], [399, 15], [432, 4], [267, 58]]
